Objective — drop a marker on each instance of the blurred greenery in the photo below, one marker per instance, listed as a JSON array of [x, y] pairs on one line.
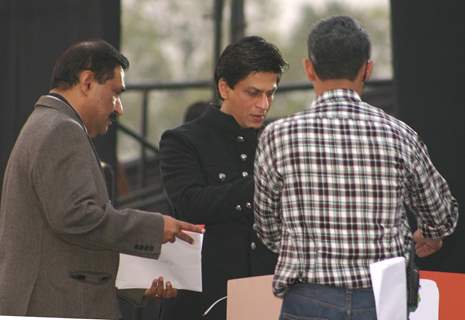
[[172, 40]]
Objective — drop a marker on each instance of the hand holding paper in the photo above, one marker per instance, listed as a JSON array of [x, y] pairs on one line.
[[174, 228], [158, 290], [179, 262]]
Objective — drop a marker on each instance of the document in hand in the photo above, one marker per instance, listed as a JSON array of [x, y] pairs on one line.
[[179, 262], [388, 278]]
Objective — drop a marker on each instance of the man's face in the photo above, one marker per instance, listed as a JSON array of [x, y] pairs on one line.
[[250, 99], [105, 99]]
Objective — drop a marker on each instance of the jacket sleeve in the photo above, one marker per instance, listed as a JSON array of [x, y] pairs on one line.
[[187, 187], [65, 177]]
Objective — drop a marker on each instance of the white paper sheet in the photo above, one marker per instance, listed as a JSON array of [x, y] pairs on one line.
[[388, 279], [428, 308], [179, 262]]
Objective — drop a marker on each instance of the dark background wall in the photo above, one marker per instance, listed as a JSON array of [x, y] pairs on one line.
[[33, 34], [429, 71]]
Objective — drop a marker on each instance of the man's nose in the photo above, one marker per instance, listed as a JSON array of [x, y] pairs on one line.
[[264, 102]]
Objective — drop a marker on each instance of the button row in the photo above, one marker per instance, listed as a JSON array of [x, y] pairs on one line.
[[248, 205], [142, 247], [222, 175]]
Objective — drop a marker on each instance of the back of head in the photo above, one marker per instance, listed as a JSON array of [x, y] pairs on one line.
[[338, 47], [248, 55], [97, 56], [195, 110]]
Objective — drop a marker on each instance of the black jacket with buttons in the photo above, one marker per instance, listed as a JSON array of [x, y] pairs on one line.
[[207, 167]]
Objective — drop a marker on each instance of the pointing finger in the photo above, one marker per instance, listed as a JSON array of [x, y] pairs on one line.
[[191, 227], [185, 237]]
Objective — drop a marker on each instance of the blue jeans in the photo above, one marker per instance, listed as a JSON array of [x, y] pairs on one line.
[[317, 302]]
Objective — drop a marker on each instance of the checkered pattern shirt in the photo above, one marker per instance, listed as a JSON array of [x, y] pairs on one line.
[[332, 184]]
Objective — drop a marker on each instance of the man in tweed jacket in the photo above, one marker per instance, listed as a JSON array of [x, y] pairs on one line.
[[60, 236]]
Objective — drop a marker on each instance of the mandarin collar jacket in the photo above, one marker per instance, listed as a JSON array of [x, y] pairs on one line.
[[207, 170]]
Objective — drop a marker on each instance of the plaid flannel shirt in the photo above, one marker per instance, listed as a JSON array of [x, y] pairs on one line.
[[332, 184]]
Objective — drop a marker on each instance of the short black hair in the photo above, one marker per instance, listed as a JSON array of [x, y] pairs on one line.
[[338, 47], [97, 56], [248, 55], [195, 110]]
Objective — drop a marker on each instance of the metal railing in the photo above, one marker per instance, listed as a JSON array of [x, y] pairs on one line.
[[145, 194]]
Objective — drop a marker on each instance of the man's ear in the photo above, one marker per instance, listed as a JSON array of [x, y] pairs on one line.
[[368, 69], [86, 79], [309, 70], [223, 89]]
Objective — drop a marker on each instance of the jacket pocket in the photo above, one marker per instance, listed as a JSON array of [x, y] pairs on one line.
[[90, 277]]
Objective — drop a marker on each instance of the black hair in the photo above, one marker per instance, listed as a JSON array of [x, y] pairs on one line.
[[97, 56], [248, 55], [195, 110], [338, 47]]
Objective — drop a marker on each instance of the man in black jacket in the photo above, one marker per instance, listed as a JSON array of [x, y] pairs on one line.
[[207, 168]]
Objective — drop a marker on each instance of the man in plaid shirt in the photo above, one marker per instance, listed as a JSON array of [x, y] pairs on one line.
[[332, 184]]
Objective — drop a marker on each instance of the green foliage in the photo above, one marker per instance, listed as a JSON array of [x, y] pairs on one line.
[[172, 40], [141, 41]]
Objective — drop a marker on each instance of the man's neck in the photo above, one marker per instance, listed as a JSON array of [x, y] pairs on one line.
[[72, 100], [333, 84]]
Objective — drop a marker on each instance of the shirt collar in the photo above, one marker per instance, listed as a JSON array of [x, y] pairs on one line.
[[226, 122], [336, 95]]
